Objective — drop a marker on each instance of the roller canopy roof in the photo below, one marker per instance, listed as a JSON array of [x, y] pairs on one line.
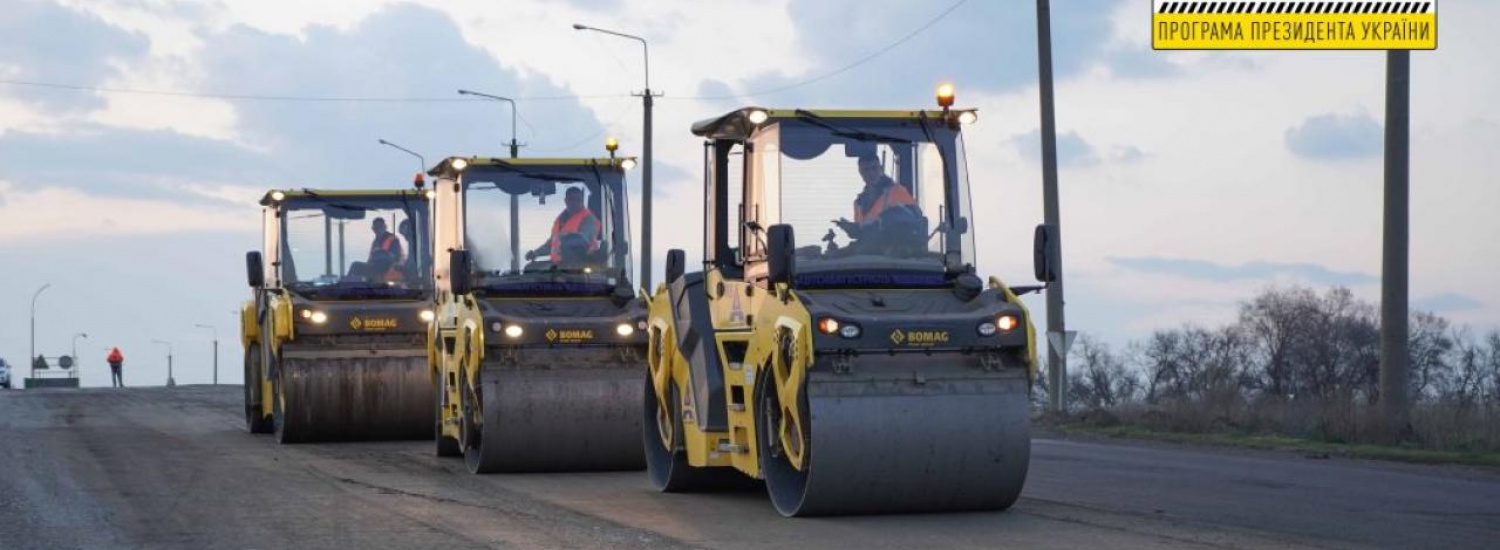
[[737, 125], [303, 193], [445, 168]]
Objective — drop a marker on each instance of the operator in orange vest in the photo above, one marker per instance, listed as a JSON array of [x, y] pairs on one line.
[[116, 362], [575, 225], [880, 194], [385, 253]]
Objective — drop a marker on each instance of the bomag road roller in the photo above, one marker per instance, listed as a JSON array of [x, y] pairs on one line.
[[335, 334], [869, 372], [537, 351]]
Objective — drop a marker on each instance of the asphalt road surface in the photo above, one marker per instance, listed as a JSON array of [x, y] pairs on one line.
[[157, 468]]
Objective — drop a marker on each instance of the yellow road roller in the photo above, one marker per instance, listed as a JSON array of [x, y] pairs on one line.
[[837, 342], [537, 352], [335, 333]]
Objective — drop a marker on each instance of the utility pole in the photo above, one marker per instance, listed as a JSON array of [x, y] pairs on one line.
[[1057, 359], [647, 101], [1394, 258]]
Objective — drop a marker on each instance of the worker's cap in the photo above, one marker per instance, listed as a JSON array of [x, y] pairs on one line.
[[575, 192]]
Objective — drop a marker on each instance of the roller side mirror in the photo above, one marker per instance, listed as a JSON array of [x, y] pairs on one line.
[[1045, 255], [255, 269], [781, 246], [459, 271], [676, 265]]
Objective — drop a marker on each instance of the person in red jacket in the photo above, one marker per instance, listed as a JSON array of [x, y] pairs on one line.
[[116, 360]]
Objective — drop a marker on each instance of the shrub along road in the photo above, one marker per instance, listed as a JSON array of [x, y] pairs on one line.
[[156, 468]]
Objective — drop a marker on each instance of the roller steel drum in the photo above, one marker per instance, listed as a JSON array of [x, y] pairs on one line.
[[957, 440], [565, 419], [342, 396]]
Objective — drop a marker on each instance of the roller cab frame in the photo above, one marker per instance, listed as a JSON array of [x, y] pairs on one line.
[[335, 331], [837, 342], [536, 353]]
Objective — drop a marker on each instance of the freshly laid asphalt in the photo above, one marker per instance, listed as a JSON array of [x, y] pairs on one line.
[[159, 468]]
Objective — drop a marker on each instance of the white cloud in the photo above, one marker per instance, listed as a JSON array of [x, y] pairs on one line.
[[55, 213]]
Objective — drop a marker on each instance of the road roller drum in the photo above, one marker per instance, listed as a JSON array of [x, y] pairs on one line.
[[344, 396], [557, 419], [958, 441]]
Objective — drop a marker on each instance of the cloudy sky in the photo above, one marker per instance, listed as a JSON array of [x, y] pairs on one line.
[[1189, 180]]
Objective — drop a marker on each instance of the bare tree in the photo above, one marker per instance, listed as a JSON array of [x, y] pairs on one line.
[[1100, 378], [1492, 369], [1277, 321], [1430, 347]]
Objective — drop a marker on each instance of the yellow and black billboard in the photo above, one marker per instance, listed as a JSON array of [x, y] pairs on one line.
[[1295, 25]]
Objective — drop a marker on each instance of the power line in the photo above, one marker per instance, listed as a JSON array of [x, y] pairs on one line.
[[629, 108], [288, 98], [841, 70]]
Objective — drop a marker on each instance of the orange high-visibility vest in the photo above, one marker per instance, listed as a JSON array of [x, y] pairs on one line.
[[573, 224], [393, 273], [894, 195]]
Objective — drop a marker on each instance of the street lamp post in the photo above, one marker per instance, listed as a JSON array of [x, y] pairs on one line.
[[216, 349], [646, 100], [83, 335], [77, 364], [515, 201], [421, 161], [171, 382], [32, 358], [514, 146]]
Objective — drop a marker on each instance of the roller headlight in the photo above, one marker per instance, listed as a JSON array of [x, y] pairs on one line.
[[968, 117], [829, 325], [278, 196], [627, 164], [1007, 323], [458, 164], [318, 317], [624, 329], [514, 331], [758, 116], [427, 315]]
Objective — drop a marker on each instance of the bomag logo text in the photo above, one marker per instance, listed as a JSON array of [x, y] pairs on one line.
[[919, 337], [570, 335], [373, 323]]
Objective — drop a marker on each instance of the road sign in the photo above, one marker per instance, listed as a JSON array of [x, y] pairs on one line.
[[1061, 341]]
